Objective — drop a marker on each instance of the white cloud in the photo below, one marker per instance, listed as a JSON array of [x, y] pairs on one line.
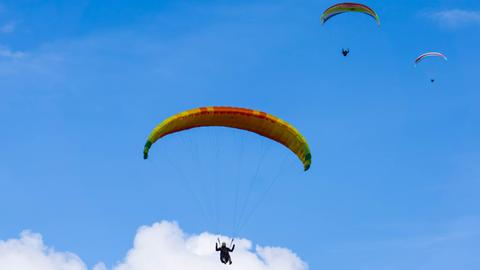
[[456, 17], [160, 246], [29, 253], [100, 266], [164, 246], [8, 28]]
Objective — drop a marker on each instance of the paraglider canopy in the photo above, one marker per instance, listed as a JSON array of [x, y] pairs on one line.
[[254, 121], [348, 7], [429, 54]]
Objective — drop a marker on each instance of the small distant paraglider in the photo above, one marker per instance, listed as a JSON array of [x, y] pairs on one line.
[[428, 55]]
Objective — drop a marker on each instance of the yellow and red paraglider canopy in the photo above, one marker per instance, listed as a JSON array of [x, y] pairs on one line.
[[255, 121]]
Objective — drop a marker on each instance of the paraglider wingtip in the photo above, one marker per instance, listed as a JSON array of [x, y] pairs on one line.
[[148, 144], [308, 162]]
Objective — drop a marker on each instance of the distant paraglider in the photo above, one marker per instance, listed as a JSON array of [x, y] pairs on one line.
[[341, 8], [423, 56]]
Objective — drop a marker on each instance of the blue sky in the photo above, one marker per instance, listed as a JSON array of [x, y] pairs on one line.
[[395, 178]]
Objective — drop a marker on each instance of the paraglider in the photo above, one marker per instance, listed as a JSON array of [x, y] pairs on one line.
[[225, 252], [258, 122], [341, 8], [423, 56], [244, 202]]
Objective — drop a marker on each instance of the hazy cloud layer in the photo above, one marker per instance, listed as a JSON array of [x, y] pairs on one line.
[[8, 27], [8, 53], [456, 17]]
